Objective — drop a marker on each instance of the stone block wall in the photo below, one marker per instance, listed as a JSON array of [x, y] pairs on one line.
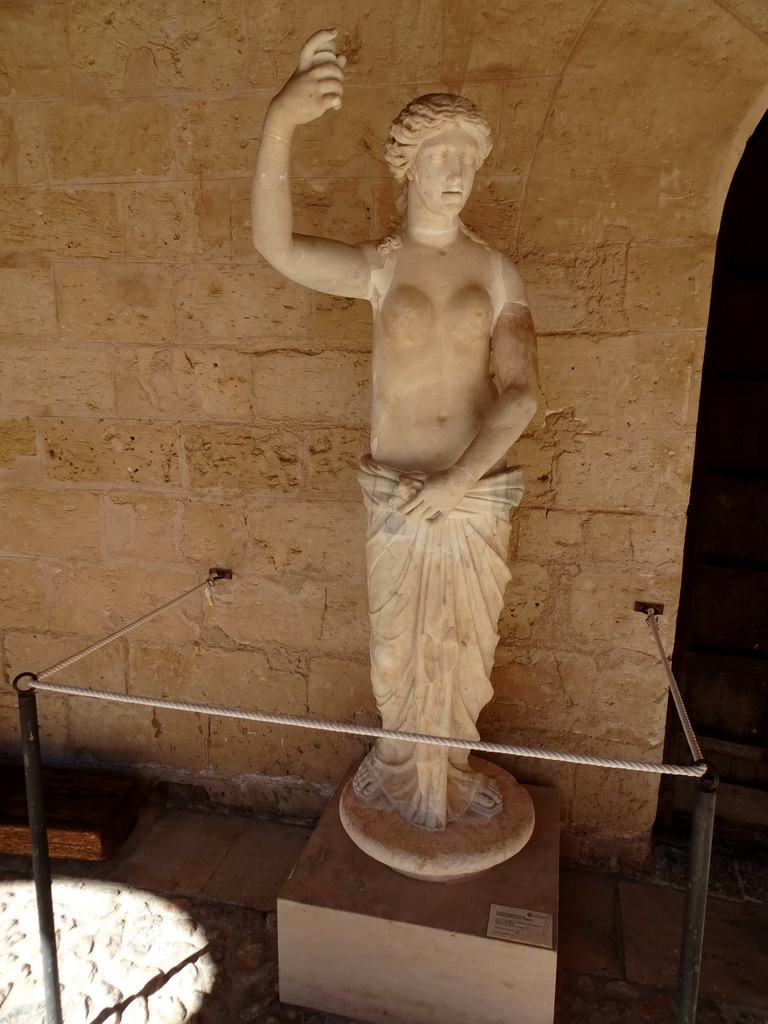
[[168, 402]]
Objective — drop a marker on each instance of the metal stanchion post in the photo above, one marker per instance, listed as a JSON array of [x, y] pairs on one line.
[[41, 867], [696, 896]]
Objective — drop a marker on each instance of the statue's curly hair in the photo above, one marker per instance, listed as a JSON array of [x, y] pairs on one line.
[[427, 115]]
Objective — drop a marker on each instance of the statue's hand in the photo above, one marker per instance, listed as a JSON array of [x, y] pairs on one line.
[[316, 85], [439, 495]]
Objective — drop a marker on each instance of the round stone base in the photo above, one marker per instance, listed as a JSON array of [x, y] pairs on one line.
[[465, 849]]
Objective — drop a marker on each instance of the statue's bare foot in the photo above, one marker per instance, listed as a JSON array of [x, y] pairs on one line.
[[365, 783], [487, 800]]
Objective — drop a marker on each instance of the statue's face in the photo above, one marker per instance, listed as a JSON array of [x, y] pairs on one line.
[[444, 170]]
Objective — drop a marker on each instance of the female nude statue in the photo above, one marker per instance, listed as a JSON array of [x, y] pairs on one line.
[[435, 484]]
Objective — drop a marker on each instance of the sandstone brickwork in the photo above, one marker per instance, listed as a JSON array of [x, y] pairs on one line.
[[168, 402]]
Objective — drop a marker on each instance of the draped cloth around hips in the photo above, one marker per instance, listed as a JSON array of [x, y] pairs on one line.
[[435, 593]]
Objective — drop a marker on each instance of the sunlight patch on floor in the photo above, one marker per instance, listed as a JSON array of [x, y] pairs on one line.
[[125, 956]]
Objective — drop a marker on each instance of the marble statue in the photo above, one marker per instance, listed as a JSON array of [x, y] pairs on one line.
[[436, 484]]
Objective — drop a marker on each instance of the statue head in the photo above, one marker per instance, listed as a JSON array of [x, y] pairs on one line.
[[429, 115]]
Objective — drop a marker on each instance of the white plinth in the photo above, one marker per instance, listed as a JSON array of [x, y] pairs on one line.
[[358, 939]]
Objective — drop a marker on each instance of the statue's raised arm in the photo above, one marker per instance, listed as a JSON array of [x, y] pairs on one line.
[[315, 87]]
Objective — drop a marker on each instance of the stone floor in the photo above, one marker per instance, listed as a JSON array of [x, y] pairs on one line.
[[179, 928]]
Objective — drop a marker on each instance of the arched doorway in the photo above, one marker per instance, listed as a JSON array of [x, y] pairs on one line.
[[721, 644]]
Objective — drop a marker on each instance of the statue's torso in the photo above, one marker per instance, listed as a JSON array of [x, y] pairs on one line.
[[431, 352]]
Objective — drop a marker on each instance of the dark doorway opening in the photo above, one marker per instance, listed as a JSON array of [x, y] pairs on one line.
[[721, 644]]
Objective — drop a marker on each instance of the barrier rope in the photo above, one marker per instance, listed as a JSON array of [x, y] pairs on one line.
[[37, 681], [370, 731], [693, 744], [207, 585]]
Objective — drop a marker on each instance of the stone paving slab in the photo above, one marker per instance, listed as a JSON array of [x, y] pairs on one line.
[[180, 852], [587, 999], [257, 864], [735, 959], [589, 924]]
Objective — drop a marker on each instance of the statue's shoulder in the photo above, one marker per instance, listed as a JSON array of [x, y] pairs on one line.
[[512, 280]]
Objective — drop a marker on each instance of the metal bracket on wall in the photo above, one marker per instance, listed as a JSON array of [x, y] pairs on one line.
[[220, 574], [646, 607]]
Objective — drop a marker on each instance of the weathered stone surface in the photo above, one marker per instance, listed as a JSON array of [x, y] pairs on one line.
[[240, 458], [188, 383], [522, 108], [220, 136], [8, 171], [638, 382], [34, 652], [19, 464], [17, 440], [536, 461], [23, 594], [755, 15], [547, 536], [330, 386], [340, 689], [110, 451], [345, 618], [588, 175], [620, 697], [213, 533], [649, 472], [602, 606], [60, 523], [247, 747], [342, 323], [405, 49], [524, 600], [558, 290], [263, 611], [136, 525], [108, 140], [653, 540], [313, 538], [239, 679], [114, 597], [493, 211], [191, 47], [124, 734], [120, 302], [234, 304], [58, 224], [33, 50], [31, 168], [543, 37], [607, 801], [27, 303], [669, 286], [178, 221], [333, 458], [56, 379]]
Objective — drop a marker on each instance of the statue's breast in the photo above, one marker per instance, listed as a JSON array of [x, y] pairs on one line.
[[412, 316], [408, 314], [469, 313]]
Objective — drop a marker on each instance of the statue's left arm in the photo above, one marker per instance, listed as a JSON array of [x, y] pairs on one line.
[[514, 351]]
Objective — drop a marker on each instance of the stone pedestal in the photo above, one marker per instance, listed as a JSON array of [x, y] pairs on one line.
[[359, 939], [466, 849]]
